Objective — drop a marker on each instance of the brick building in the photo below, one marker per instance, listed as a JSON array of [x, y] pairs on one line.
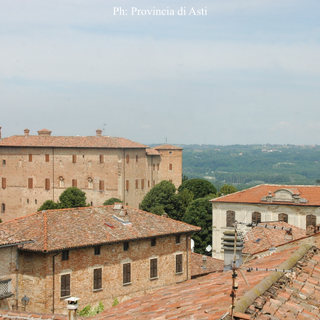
[[297, 205], [94, 253], [36, 168]]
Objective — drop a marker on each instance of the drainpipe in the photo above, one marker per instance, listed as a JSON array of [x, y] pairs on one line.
[[52, 174], [53, 287], [124, 176], [187, 245], [17, 279]]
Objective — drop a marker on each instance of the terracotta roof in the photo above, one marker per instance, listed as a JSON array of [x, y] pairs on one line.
[[255, 194], [152, 152], [212, 265], [261, 239], [167, 147], [69, 142], [206, 297], [10, 239], [55, 230]]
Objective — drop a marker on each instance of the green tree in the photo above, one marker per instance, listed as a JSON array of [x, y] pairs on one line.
[[199, 187], [161, 198], [182, 202], [227, 189], [199, 213], [72, 198], [49, 205], [111, 201]]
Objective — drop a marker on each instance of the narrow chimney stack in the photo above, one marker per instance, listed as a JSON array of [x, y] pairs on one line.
[[228, 247], [124, 215], [44, 133], [26, 132], [204, 262], [310, 230], [72, 307], [99, 132], [0, 133]]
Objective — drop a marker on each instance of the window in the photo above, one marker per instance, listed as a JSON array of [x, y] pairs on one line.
[[30, 157], [35, 201], [178, 239], [154, 167], [142, 183], [47, 184], [27, 200], [127, 185], [153, 268], [97, 250], [61, 182], [4, 183], [179, 263], [256, 217], [154, 182], [47, 158], [125, 246], [101, 158], [65, 255], [126, 273], [158, 166], [97, 279], [90, 183], [137, 158], [65, 285], [137, 183], [311, 220], [30, 183], [74, 182], [153, 242], [283, 217], [101, 185], [127, 158], [148, 183], [231, 218], [170, 166], [4, 163], [74, 158], [3, 208]]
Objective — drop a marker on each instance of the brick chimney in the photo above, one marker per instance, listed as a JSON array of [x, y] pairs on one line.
[[44, 133], [204, 262], [99, 132], [26, 132], [228, 247]]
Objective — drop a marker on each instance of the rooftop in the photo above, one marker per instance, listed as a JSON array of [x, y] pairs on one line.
[[275, 194], [9, 239], [212, 265], [167, 147], [91, 226]]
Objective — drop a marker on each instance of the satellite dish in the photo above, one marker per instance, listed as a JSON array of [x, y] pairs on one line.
[[208, 248], [192, 245]]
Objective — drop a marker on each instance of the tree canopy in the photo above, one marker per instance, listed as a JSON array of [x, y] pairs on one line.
[[227, 189], [199, 187], [199, 213], [49, 205], [111, 201]]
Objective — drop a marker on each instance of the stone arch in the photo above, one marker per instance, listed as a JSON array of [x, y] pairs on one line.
[[283, 217], [256, 217]]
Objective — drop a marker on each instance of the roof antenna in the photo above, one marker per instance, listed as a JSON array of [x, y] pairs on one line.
[[103, 128], [166, 140]]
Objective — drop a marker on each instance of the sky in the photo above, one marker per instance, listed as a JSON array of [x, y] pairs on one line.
[[240, 72]]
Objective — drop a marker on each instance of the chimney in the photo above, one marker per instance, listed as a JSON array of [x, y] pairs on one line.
[[204, 262], [72, 307], [99, 132], [26, 132], [44, 133], [310, 230], [124, 215], [228, 247], [288, 235]]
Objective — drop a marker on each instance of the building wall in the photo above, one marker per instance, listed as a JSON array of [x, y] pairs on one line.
[[120, 170], [36, 280], [296, 217]]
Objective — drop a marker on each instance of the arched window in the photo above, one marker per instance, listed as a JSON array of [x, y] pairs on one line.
[[3, 208], [311, 220], [90, 183], [61, 182], [256, 217], [283, 217], [231, 218]]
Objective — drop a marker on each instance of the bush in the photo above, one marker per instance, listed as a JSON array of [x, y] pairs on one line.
[[111, 201]]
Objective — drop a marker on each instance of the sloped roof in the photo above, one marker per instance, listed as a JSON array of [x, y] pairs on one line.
[[212, 265], [206, 297], [167, 147], [255, 194], [62, 229], [10, 239], [152, 152], [260, 239], [69, 142]]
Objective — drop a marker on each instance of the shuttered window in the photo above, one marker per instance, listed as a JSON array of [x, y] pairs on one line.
[[127, 159], [153, 242], [4, 183], [74, 182], [283, 217], [47, 158], [148, 183], [65, 285], [311, 220], [47, 184], [101, 185], [158, 166], [74, 158], [178, 263], [137, 158], [231, 218], [137, 183], [154, 182], [65, 255], [126, 273], [153, 268], [101, 158], [142, 183], [154, 167], [127, 185], [97, 279], [3, 208], [256, 217], [97, 250], [30, 157], [30, 183], [170, 166]]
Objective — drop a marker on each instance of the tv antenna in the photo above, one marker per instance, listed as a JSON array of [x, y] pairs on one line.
[[103, 128]]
